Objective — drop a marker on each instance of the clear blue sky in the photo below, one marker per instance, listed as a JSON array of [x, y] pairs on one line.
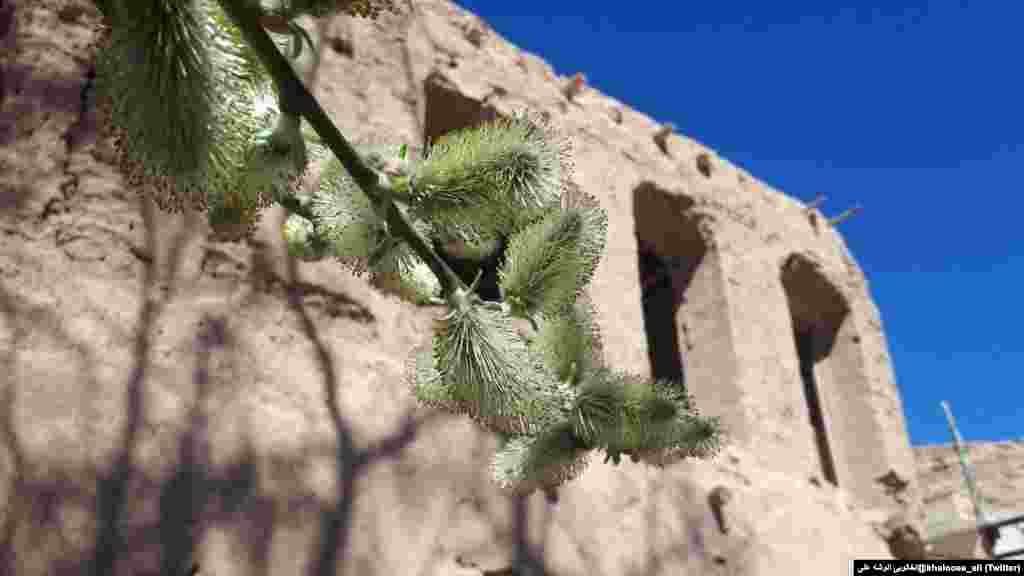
[[913, 110]]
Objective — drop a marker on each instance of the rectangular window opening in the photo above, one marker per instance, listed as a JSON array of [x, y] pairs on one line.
[[659, 310], [805, 350]]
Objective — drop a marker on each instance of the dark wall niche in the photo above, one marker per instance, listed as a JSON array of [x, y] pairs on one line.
[[807, 358], [466, 268], [685, 308], [446, 109], [670, 249], [817, 311], [659, 302]]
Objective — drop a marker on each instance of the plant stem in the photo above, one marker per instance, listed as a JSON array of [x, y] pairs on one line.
[[296, 99]]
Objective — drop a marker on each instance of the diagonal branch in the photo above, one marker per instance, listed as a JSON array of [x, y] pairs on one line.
[[296, 99]]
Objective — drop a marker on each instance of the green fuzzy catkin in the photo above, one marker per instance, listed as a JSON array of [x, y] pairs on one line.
[[264, 154], [549, 263], [350, 223], [609, 409], [426, 383], [571, 343], [230, 36], [209, 134], [155, 75], [598, 412], [546, 460], [300, 238], [271, 168], [189, 108], [276, 162], [492, 179], [655, 422], [688, 436], [542, 267], [492, 374], [402, 273], [596, 223], [359, 238], [647, 414]]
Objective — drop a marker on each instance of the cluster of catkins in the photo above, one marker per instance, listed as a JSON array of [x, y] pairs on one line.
[[212, 138], [544, 391], [196, 122]]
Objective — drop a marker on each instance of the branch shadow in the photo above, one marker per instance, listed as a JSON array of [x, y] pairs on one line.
[[191, 497], [183, 497], [18, 462], [113, 485], [30, 96], [32, 496], [661, 555], [194, 495], [335, 525]]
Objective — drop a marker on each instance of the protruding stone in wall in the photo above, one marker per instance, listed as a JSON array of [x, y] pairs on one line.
[[661, 136], [718, 498], [704, 164], [903, 537]]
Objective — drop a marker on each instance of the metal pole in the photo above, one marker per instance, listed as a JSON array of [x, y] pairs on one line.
[[968, 474]]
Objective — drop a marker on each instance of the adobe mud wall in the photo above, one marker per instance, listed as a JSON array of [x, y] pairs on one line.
[[999, 476], [233, 456], [752, 267]]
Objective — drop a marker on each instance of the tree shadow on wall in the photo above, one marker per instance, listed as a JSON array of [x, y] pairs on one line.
[[674, 535], [64, 519], [193, 496], [32, 100]]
